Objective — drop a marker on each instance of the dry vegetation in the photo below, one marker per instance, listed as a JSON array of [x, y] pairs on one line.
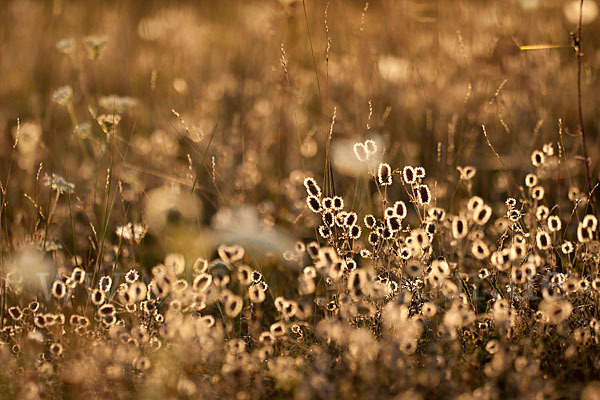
[[288, 199]]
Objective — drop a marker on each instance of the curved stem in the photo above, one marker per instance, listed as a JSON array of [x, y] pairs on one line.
[[586, 160]]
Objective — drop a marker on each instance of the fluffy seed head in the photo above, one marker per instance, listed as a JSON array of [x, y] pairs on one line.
[[537, 158], [360, 152], [420, 172], [338, 203], [554, 223], [313, 204], [423, 195], [400, 209], [480, 249], [384, 174], [59, 289], [482, 214], [312, 188], [459, 228], [409, 175], [370, 221], [78, 275], [590, 221], [370, 146], [105, 284], [354, 232]]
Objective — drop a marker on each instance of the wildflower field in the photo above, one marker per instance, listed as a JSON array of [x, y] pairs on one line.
[[304, 199]]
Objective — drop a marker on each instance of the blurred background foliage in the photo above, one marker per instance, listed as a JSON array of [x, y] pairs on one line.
[[256, 84]]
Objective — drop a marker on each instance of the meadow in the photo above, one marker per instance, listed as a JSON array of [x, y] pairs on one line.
[[302, 199]]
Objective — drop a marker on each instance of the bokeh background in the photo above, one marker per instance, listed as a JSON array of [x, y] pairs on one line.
[[256, 85]]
